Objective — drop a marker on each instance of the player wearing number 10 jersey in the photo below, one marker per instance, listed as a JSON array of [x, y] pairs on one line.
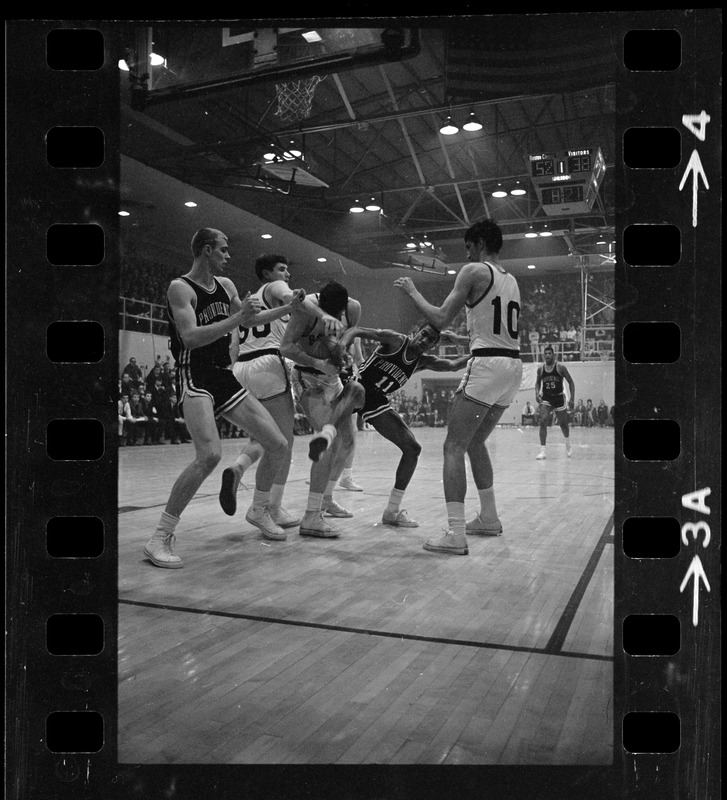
[[491, 298]]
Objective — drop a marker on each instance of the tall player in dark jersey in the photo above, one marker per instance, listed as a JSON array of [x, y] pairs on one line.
[[203, 310], [551, 397], [387, 369]]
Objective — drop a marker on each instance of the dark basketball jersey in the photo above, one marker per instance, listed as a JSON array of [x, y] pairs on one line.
[[387, 372], [552, 385], [210, 307]]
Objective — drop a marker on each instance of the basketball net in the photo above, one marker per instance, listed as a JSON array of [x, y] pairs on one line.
[[295, 98]]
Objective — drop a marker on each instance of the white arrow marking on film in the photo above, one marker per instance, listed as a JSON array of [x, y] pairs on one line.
[[695, 166], [697, 570]]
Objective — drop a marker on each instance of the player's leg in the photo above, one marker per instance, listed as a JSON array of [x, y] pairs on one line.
[[317, 410], [199, 414], [253, 417], [392, 427], [346, 480], [340, 409], [562, 415], [282, 410], [464, 420], [487, 522], [544, 411]]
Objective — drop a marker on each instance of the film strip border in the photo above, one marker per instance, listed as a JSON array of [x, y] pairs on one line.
[[62, 298], [667, 401]]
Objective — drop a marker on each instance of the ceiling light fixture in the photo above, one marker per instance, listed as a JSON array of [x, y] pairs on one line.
[[124, 213], [321, 259], [451, 272], [518, 190], [190, 204], [266, 236], [312, 36], [373, 205], [356, 208], [531, 266], [269, 156], [156, 60], [531, 233], [499, 192], [448, 129], [472, 124], [123, 65], [411, 245], [546, 233]]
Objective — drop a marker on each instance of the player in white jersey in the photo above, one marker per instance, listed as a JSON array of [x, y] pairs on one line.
[[327, 402], [491, 298], [258, 366]]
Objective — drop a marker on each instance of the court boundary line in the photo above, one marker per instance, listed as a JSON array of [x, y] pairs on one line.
[[366, 631], [560, 632]]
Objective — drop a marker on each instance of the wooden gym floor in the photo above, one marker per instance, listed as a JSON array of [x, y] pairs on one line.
[[366, 649]]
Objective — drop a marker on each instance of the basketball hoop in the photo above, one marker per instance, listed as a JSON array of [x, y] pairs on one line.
[[295, 98]]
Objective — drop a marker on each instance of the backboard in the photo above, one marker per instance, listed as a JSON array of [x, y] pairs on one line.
[[168, 60]]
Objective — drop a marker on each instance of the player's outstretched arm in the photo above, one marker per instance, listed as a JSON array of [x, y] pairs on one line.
[[382, 335], [453, 338], [439, 316], [442, 364]]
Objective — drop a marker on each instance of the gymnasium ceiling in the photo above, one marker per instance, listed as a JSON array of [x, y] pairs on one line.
[[537, 84]]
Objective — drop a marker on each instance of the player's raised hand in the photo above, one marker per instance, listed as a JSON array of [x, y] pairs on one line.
[[406, 285]]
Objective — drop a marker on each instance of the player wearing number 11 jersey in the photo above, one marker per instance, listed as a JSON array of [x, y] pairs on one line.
[[387, 369], [491, 298]]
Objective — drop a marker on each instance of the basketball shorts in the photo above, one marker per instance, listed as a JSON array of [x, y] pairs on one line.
[[376, 403], [316, 393], [217, 383], [555, 402], [266, 376], [492, 380]]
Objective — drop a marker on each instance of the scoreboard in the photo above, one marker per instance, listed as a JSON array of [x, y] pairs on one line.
[[567, 182]]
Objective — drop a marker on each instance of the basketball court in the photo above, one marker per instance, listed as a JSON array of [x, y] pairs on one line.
[[366, 649]]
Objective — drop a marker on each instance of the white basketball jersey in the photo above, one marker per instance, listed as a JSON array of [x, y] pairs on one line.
[[263, 337], [492, 320]]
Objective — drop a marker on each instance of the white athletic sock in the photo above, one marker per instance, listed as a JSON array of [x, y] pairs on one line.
[[243, 461], [329, 431], [260, 498], [315, 502], [488, 510], [330, 486], [455, 518], [347, 472], [395, 498], [167, 524], [276, 495]]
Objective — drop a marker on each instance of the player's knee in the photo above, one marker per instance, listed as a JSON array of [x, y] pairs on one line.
[[413, 448], [278, 445], [209, 459], [453, 448], [356, 392]]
